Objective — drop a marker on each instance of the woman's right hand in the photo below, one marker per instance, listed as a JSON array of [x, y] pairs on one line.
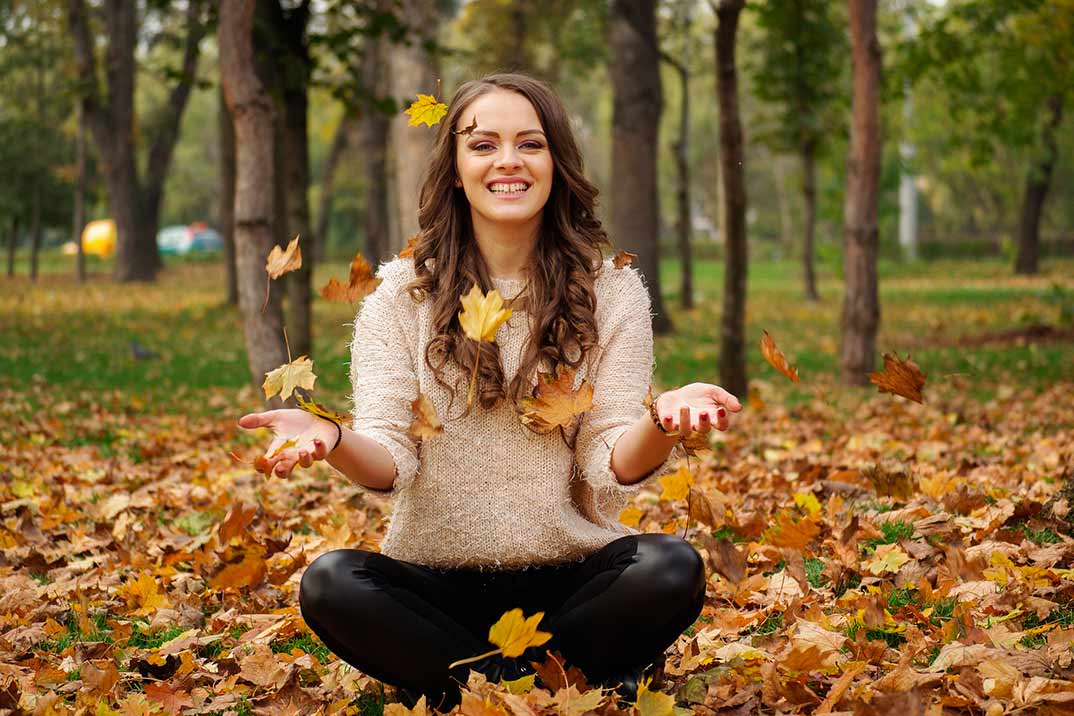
[[313, 438]]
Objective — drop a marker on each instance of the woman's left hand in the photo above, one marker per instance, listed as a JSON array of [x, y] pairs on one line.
[[695, 407]]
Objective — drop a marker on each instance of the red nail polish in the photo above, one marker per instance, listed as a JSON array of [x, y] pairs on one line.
[[704, 416], [721, 412]]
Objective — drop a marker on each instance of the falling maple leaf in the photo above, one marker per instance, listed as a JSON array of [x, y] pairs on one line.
[[283, 380], [426, 423], [555, 402], [361, 283], [891, 480], [427, 109], [513, 633], [677, 484], [480, 316], [900, 377], [623, 258], [699, 507], [236, 521], [279, 262], [411, 243], [776, 359]]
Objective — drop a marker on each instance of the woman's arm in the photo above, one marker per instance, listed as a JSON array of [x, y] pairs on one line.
[[643, 447], [364, 461]]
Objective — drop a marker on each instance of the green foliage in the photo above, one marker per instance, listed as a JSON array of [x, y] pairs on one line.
[[152, 640], [306, 643], [813, 568]]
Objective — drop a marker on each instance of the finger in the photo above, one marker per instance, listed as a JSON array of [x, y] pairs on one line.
[[723, 420], [704, 422], [684, 419], [320, 450], [254, 420], [284, 467], [722, 397], [304, 458]]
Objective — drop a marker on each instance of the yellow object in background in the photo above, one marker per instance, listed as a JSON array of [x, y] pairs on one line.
[[99, 238]]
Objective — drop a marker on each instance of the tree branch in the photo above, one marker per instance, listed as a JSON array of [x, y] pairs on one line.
[[86, 66]]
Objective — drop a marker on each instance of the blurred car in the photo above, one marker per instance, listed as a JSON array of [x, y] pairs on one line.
[[99, 238], [181, 240]]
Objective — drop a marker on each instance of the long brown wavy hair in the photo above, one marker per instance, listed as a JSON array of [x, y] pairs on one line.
[[559, 293]]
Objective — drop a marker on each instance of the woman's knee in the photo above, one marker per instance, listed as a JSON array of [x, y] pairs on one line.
[[672, 563], [329, 577]]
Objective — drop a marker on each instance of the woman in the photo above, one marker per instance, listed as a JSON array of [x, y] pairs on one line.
[[491, 514]]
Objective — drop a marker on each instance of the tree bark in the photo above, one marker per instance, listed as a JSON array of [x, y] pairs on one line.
[[809, 222], [328, 181], [861, 303], [79, 219], [35, 228], [134, 207], [412, 69], [637, 105], [373, 132], [12, 243], [733, 169], [227, 196], [682, 164], [252, 109], [1038, 182]]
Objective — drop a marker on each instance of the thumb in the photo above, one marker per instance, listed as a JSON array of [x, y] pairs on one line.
[[255, 420]]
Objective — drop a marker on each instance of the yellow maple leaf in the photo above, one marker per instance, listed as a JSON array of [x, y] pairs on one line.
[[514, 633], [141, 593], [426, 423], [807, 501], [654, 703], [555, 402], [317, 409], [482, 314], [887, 558], [427, 109], [677, 484], [296, 374], [631, 516]]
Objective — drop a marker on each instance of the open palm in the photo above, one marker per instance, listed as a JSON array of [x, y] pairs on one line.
[[298, 438]]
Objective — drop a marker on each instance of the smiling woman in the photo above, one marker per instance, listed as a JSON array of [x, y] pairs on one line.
[[495, 513]]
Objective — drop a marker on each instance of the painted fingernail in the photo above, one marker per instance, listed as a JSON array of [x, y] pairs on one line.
[[667, 419], [317, 442], [704, 416], [721, 412]]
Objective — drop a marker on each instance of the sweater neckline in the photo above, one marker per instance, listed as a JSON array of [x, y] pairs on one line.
[[508, 287]]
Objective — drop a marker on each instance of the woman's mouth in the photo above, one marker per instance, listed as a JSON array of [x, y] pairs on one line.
[[508, 190]]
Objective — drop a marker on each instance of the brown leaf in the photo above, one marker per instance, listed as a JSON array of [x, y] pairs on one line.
[[891, 480], [99, 676], [467, 130], [408, 250], [248, 573], [791, 533], [555, 402], [426, 423], [623, 258], [236, 521], [899, 377], [726, 558], [361, 283], [701, 509], [168, 695], [281, 261], [776, 359], [552, 671]]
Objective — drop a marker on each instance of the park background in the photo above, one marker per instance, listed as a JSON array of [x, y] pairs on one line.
[[145, 569]]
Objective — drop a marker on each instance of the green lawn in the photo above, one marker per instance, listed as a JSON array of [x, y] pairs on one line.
[[59, 336]]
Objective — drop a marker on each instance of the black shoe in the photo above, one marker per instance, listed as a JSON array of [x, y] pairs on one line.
[[625, 683]]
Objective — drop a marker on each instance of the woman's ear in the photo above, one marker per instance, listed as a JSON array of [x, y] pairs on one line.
[[458, 182]]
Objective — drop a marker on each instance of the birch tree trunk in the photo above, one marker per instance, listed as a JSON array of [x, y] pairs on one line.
[[861, 302]]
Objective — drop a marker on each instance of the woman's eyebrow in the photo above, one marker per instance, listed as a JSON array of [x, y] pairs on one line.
[[490, 133]]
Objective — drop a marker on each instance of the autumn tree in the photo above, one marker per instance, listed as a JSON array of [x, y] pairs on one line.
[[861, 302], [253, 110], [733, 173], [638, 102], [798, 55], [134, 197], [1005, 68]]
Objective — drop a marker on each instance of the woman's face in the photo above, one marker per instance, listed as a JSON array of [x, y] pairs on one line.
[[504, 165]]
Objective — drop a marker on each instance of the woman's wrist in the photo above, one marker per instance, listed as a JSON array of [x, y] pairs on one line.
[[339, 432]]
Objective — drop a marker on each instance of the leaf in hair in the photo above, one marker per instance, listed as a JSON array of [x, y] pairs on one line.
[[467, 130]]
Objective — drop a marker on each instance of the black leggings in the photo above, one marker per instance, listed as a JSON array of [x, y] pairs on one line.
[[404, 623]]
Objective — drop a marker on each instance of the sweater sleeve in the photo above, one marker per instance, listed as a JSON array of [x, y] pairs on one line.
[[622, 380], [382, 371]]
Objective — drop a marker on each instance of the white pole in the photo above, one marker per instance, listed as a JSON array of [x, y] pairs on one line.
[[908, 238]]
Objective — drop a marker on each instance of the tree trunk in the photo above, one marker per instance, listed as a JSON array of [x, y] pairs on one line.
[[328, 181], [134, 208], [35, 228], [373, 129], [412, 69], [861, 303], [1038, 182], [250, 105], [79, 219], [809, 222], [682, 163], [638, 103], [227, 195], [783, 201], [733, 168], [12, 243]]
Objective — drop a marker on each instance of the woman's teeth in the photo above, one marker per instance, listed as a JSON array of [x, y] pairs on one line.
[[508, 188]]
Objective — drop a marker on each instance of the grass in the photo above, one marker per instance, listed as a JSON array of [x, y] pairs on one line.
[[893, 531], [305, 643], [78, 338]]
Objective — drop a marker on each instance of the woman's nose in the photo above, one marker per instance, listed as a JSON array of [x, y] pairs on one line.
[[508, 157]]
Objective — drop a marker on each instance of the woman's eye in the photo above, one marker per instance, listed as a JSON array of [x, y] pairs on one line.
[[532, 145], [482, 147]]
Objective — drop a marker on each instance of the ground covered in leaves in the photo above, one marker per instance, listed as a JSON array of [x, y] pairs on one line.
[[865, 554]]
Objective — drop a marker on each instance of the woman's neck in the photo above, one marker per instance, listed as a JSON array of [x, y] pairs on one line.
[[506, 249]]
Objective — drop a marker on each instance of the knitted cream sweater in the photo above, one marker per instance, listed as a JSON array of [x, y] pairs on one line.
[[487, 492]]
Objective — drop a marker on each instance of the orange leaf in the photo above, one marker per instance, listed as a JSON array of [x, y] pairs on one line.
[[426, 423], [360, 284], [248, 573], [236, 521], [891, 480], [281, 261], [141, 593], [787, 532], [408, 250], [900, 377], [172, 698], [555, 402], [623, 258], [775, 357]]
